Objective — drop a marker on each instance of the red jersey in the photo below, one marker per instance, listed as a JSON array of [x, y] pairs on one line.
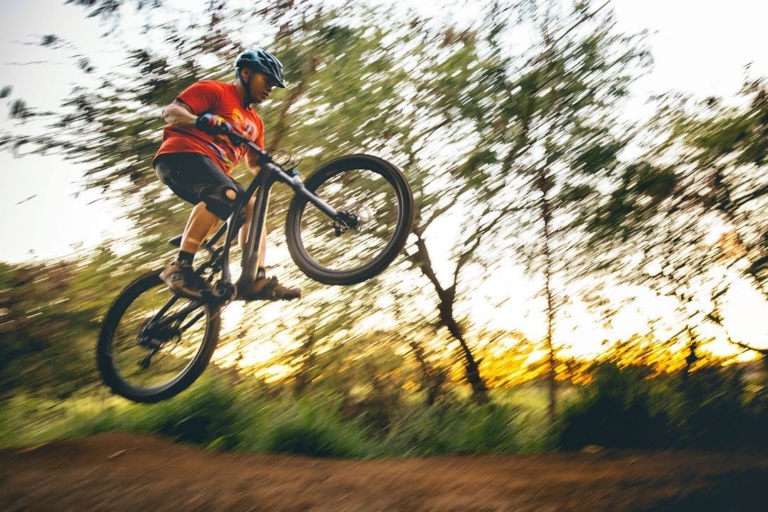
[[221, 99]]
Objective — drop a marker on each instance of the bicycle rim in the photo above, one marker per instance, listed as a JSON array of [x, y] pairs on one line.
[[374, 194]]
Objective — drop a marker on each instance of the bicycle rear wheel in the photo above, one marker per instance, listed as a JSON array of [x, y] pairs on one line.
[[154, 344], [376, 203]]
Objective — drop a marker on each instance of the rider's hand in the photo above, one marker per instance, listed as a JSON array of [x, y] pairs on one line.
[[213, 124]]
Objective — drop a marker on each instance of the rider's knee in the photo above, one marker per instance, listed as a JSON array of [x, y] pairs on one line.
[[220, 199]]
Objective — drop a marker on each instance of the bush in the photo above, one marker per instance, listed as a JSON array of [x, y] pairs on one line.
[[207, 415], [712, 411], [755, 430], [614, 411], [310, 440], [311, 426]]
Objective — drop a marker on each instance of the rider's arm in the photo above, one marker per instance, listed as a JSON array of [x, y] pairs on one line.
[[179, 114], [252, 159]]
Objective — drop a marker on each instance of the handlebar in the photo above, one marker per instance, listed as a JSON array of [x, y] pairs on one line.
[[240, 139]]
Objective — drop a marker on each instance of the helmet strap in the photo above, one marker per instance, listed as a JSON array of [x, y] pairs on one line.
[[247, 87]]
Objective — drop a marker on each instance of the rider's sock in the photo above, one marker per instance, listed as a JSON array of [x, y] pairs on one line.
[[185, 257]]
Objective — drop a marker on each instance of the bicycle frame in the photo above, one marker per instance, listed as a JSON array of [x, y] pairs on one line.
[[261, 184]]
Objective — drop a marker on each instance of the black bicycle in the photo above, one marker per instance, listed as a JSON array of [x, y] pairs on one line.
[[346, 223]]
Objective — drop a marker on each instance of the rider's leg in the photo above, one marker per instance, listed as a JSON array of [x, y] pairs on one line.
[[201, 222], [196, 179], [179, 275]]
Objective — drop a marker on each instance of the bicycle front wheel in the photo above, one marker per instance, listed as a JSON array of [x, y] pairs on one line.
[[154, 344], [376, 207]]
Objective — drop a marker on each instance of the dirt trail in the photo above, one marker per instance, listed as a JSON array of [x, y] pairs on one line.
[[127, 472]]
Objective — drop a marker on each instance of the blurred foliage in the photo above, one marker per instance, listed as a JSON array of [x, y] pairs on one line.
[[615, 411], [688, 217], [218, 414], [624, 407], [713, 407], [49, 318]]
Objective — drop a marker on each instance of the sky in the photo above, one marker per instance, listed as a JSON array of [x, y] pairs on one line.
[[699, 47], [41, 215]]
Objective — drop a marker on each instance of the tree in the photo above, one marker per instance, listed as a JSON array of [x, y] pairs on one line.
[[690, 216], [342, 76], [542, 136]]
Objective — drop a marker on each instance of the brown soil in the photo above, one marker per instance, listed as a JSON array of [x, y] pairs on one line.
[[127, 472]]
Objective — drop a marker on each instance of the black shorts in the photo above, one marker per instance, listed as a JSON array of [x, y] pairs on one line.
[[196, 178]]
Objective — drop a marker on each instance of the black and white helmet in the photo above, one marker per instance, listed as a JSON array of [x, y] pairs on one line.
[[262, 61]]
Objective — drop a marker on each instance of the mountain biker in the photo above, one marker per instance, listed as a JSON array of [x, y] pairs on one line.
[[196, 157]]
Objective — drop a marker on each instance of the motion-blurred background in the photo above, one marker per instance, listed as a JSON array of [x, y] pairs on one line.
[[588, 266]]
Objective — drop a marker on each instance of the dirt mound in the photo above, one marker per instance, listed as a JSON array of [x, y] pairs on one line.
[[127, 472]]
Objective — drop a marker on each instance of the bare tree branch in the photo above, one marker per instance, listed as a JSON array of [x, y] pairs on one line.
[[745, 346]]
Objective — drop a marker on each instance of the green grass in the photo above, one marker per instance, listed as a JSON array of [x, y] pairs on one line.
[[532, 401], [26, 420], [216, 415]]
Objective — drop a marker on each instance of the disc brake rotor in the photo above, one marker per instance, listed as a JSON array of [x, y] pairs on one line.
[[357, 218]]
